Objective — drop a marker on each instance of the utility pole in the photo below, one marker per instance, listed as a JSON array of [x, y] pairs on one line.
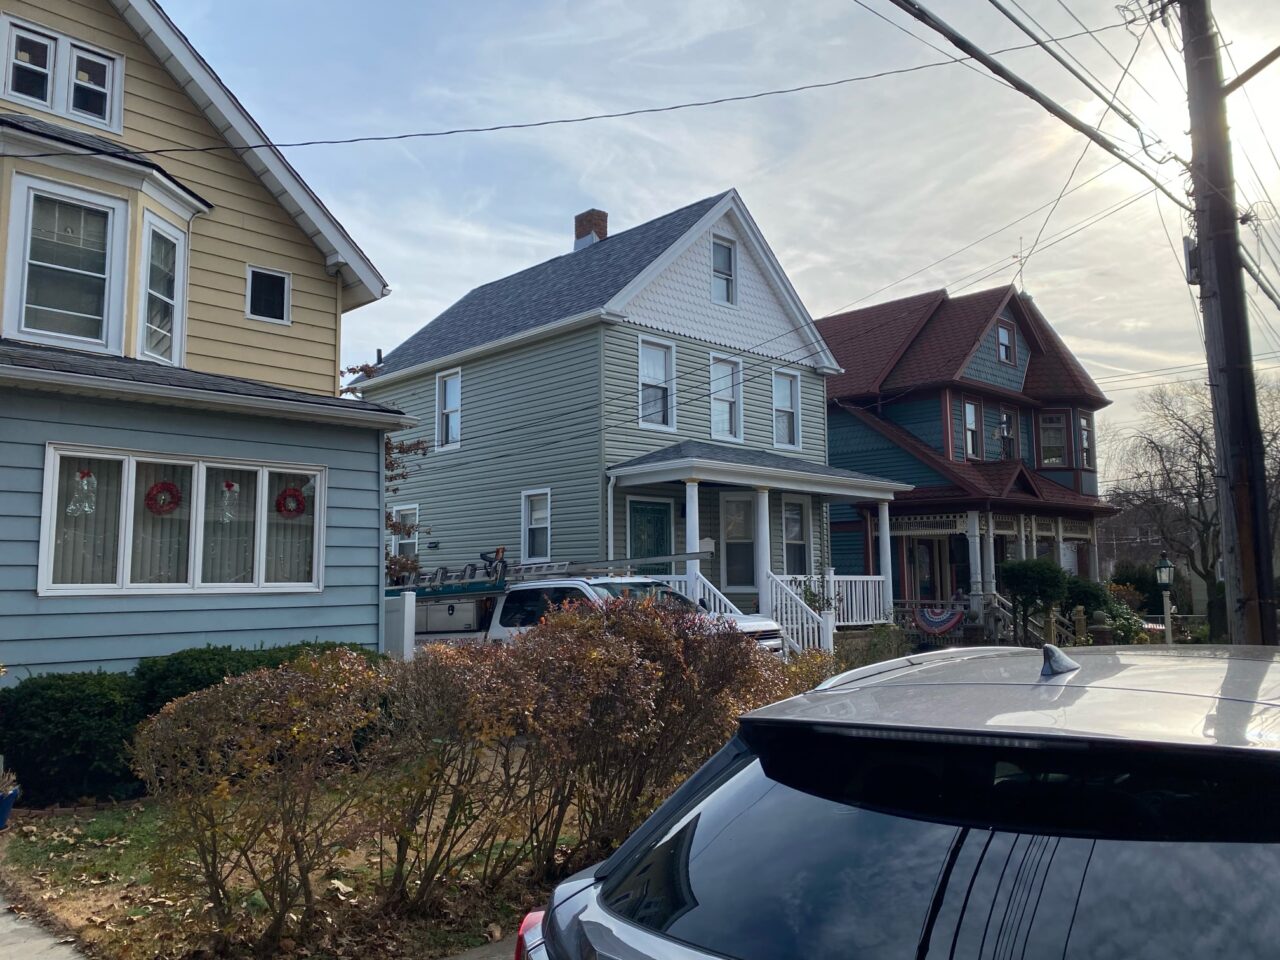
[[1246, 538]]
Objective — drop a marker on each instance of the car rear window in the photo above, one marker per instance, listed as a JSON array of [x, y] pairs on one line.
[[831, 846]]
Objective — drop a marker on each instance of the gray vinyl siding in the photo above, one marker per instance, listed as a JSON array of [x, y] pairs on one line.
[[42, 634], [625, 438], [530, 419]]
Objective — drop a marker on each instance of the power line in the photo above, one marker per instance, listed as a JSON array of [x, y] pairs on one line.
[[1080, 159], [966, 62], [1195, 307], [1107, 50], [559, 121]]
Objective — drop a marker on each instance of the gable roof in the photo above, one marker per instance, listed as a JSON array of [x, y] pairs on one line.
[[929, 338], [362, 283], [598, 279], [1011, 481], [877, 336]]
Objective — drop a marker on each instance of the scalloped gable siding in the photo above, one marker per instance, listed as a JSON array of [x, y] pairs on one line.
[[679, 301], [985, 366], [47, 634]]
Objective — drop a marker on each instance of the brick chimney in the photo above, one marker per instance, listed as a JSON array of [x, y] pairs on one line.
[[588, 227]]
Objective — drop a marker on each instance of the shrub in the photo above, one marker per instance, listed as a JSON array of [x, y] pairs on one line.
[[161, 679], [65, 735], [884, 641], [804, 671], [1125, 623], [258, 777], [1126, 594], [1085, 593], [1034, 586]]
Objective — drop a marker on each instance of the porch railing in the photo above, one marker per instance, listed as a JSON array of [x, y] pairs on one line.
[[856, 601], [803, 628], [702, 591]]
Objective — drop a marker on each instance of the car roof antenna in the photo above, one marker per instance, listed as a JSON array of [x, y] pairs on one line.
[[1056, 662]]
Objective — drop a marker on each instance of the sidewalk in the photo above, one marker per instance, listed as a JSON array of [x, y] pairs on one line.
[[27, 940]]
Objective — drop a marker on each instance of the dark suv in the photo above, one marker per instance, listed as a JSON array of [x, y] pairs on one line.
[[979, 804]]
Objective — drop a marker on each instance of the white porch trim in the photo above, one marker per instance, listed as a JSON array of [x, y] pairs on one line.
[[798, 480]]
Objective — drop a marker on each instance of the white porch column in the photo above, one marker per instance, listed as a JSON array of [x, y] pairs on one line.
[[1022, 536], [1095, 571], [989, 555], [886, 555], [692, 534], [764, 551], [975, 564], [1057, 541]]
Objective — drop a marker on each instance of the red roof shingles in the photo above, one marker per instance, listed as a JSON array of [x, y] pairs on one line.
[[870, 341], [928, 338]]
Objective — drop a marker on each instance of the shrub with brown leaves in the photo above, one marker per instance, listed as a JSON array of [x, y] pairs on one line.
[[259, 777]]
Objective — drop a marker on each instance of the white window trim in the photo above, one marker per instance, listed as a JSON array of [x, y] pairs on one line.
[[806, 524], [441, 376], [249, 270], [45, 587], [671, 504], [60, 75], [22, 199], [738, 435], [670, 383], [152, 222], [397, 539], [733, 271], [725, 585], [13, 29], [774, 408], [524, 524]]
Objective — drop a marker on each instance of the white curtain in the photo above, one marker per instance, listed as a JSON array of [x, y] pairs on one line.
[[87, 520], [230, 507], [161, 532], [291, 525]]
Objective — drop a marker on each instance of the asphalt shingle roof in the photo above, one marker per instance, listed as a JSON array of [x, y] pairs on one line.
[[566, 286], [744, 457], [60, 360], [876, 336], [947, 338]]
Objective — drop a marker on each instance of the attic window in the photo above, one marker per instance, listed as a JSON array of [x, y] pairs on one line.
[[267, 295], [62, 74], [1006, 344], [723, 280]]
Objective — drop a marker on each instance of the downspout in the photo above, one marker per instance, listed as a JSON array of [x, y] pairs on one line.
[[609, 510]]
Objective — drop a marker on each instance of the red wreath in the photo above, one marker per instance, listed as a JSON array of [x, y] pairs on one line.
[[291, 502], [163, 497]]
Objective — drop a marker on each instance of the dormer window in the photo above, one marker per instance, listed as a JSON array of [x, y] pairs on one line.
[[62, 75], [1006, 343], [723, 281]]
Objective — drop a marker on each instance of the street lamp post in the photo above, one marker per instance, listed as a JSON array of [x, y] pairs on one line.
[[1164, 577]]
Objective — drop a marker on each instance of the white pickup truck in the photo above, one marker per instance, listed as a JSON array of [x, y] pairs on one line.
[[498, 618]]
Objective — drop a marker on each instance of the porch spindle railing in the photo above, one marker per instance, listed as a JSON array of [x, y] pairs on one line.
[[803, 628], [701, 591], [856, 601]]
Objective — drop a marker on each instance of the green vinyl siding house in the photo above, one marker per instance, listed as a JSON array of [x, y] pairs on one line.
[[176, 467], [655, 392]]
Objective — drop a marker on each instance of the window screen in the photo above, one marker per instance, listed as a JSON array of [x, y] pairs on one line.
[[268, 295]]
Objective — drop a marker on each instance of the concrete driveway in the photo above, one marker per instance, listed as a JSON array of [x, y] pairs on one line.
[[21, 938]]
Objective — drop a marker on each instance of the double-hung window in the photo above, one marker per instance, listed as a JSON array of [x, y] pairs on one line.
[[448, 409], [1053, 439], [786, 409], [1006, 343], [1086, 442], [726, 398], [657, 384], [535, 525], [972, 430], [142, 523], [795, 537], [404, 539], [66, 263], [162, 289], [1008, 433], [723, 279], [61, 74]]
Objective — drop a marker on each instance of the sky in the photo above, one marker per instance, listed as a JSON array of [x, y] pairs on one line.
[[855, 186]]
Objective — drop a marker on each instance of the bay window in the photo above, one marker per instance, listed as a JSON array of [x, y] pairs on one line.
[[141, 523], [163, 296], [1086, 441], [1053, 439]]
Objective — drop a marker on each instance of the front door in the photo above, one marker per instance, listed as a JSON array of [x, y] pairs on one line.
[[925, 561], [649, 532]]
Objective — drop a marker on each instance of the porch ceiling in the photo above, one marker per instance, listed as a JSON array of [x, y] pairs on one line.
[[747, 467]]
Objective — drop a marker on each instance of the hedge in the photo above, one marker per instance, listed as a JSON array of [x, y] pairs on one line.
[[65, 735]]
